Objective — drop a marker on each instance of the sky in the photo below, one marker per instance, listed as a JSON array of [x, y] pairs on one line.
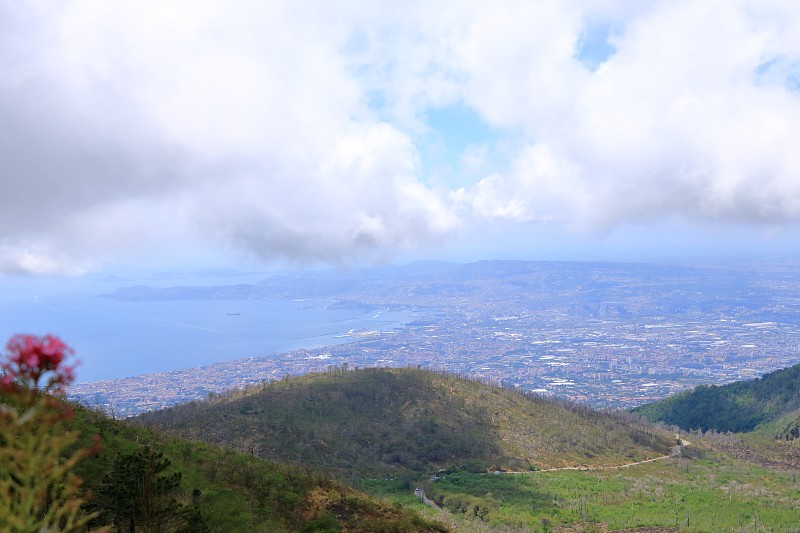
[[194, 132]]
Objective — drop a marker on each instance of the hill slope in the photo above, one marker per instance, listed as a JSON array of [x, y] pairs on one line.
[[203, 488], [374, 422], [738, 407]]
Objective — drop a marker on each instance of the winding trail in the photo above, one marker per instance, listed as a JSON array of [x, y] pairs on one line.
[[676, 452]]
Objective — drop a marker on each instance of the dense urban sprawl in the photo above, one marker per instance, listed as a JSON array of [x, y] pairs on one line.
[[607, 335]]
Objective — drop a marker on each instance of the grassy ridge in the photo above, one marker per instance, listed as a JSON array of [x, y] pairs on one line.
[[373, 422], [738, 407]]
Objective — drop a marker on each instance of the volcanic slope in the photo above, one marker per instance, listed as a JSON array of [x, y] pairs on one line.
[[376, 422]]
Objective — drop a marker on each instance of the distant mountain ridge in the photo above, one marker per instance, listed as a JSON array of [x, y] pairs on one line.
[[432, 274], [534, 285], [380, 421], [739, 407]]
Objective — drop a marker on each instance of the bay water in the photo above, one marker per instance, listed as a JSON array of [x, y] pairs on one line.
[[115, 339]]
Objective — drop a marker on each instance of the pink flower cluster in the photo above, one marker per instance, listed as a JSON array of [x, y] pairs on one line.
[[32, 358]]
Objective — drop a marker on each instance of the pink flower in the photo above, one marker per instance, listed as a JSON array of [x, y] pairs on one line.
[[32, 357], [6, 382]]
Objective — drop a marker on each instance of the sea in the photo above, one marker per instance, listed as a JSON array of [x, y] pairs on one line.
[[115, 339]]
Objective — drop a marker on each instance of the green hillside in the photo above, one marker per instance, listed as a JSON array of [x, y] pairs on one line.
[[502, 461], [430, 448], [143, 480], [738, 407], [377, 422]]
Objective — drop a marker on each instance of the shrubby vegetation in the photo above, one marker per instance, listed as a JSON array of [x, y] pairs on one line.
[[170, 484], [737, 407], [39, 490], [712, 490], [390, 421], [55, 477], [406, 422], [715, 493]]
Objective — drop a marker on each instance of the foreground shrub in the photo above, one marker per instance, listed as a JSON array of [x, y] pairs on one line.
[[39, 491]]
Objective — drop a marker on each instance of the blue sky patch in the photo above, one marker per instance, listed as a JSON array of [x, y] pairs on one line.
[[779, 70], [594, 46], [457, 127]]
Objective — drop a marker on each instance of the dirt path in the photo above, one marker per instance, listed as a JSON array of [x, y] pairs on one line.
[[419, 493], [445, 515], [430, 502], [586, 468]]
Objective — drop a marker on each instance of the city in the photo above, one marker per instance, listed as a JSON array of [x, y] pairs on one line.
[[611, 335]]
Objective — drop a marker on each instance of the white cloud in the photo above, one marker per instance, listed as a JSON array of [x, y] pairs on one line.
[[361, 197], [131, 125], [678, 121], [34, 259], [292, 129]]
